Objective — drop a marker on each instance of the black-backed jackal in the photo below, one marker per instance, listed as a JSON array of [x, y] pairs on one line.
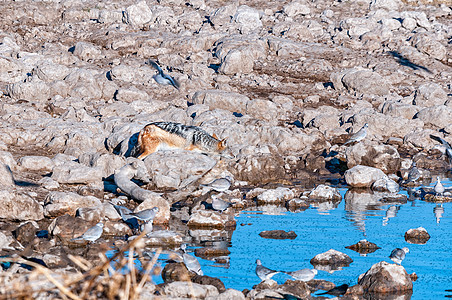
[[169, 135]]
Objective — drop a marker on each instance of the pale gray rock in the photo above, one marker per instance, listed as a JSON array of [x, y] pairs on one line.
[[385, 184], [383, 157], [18, 206], [263, 109], [177, 169], [87, 51], [108, 162], [247, 18], [429, 45], [6, 241], [296, 8], [231, 101], [91, 214], [49, 184], [438, 115], [48, 71], [11, 70], [6, 176], [241, 60], [324, 192], [229, 294], [182, 289], [430, 94], [131, 94], [362, 176], [384, 277], [35, 163], [280, 194], [34, 90], [366, 82], [210, 219], [163, 238], [385, 4], [399, 109], [60, 203], [223, 15], [331, 257], [76, 173], [138, 14]]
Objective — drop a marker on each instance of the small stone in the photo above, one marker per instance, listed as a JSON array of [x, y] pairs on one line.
[[417, 236], [278, 234]]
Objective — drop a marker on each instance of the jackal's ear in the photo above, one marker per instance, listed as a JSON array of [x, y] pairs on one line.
[[215, 136], [222, 144]]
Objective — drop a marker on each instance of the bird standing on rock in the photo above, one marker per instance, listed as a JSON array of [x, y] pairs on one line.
[[264, 273], [162, 78], [219, 184], [397, 255], [146, 215], [439, 187], [358, 136], [92, 234], [303, 274], [414, 174], [219, 204], [190, 261]]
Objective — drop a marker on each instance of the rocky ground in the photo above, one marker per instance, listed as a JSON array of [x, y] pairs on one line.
[[286, 82]]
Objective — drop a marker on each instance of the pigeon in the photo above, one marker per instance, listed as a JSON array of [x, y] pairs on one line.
[[448, 150], [337, 291], [439, 187], [146, 215], [264, 273], [147, 227], [303, 274], [92, 234], [219, 184], [123, 211], [219, 204], [358, 136], [191, 262], [397, 255], [162, 78], [414, 174]]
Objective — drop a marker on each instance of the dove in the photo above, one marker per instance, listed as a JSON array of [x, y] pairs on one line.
[[439, 187], [397, 255], [303, 274], [92, 234], [162, 78], [219, 184], [146, 215], [264, 273], [358, 136], [190, 261], [219, 204]]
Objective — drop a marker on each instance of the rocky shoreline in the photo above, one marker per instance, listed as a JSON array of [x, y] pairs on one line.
[[285, 83]]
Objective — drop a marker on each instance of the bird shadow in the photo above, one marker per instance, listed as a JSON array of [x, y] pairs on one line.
[[406, 62]]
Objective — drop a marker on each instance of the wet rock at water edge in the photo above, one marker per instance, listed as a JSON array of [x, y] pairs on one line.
[[362, 176], [332, 258], [384, 277], [183, 289], [278, 234], [324, 192], [363, 247], [417, 236], [212, 219], [211, 252]]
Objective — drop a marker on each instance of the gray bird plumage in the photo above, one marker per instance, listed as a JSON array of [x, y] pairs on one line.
[[162, 78], [190, 261], [219, 184], [303, 274], [219, 204], [146, 215], [147, 227], [414, 174], [397, 255], [337, 291], [439, 187], [92, 234], [123, 211], [448, 148], [264, 273], [358, 136]]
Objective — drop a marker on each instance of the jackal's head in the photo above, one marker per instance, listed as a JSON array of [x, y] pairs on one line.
[[221, 146]]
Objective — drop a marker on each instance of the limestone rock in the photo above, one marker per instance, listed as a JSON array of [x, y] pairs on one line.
[[417, 236], [36, 163], [231, 101], [137, 14], [60, 203], [278, 195], [163, 215], [6, 176], [331, 257], [181, 289], [383, 157], [18, 206], [362, 176], [438, 115], [213, 219], [324, 192], [383, 277]]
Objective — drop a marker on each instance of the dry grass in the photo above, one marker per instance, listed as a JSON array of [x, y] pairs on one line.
[[101, 281]]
